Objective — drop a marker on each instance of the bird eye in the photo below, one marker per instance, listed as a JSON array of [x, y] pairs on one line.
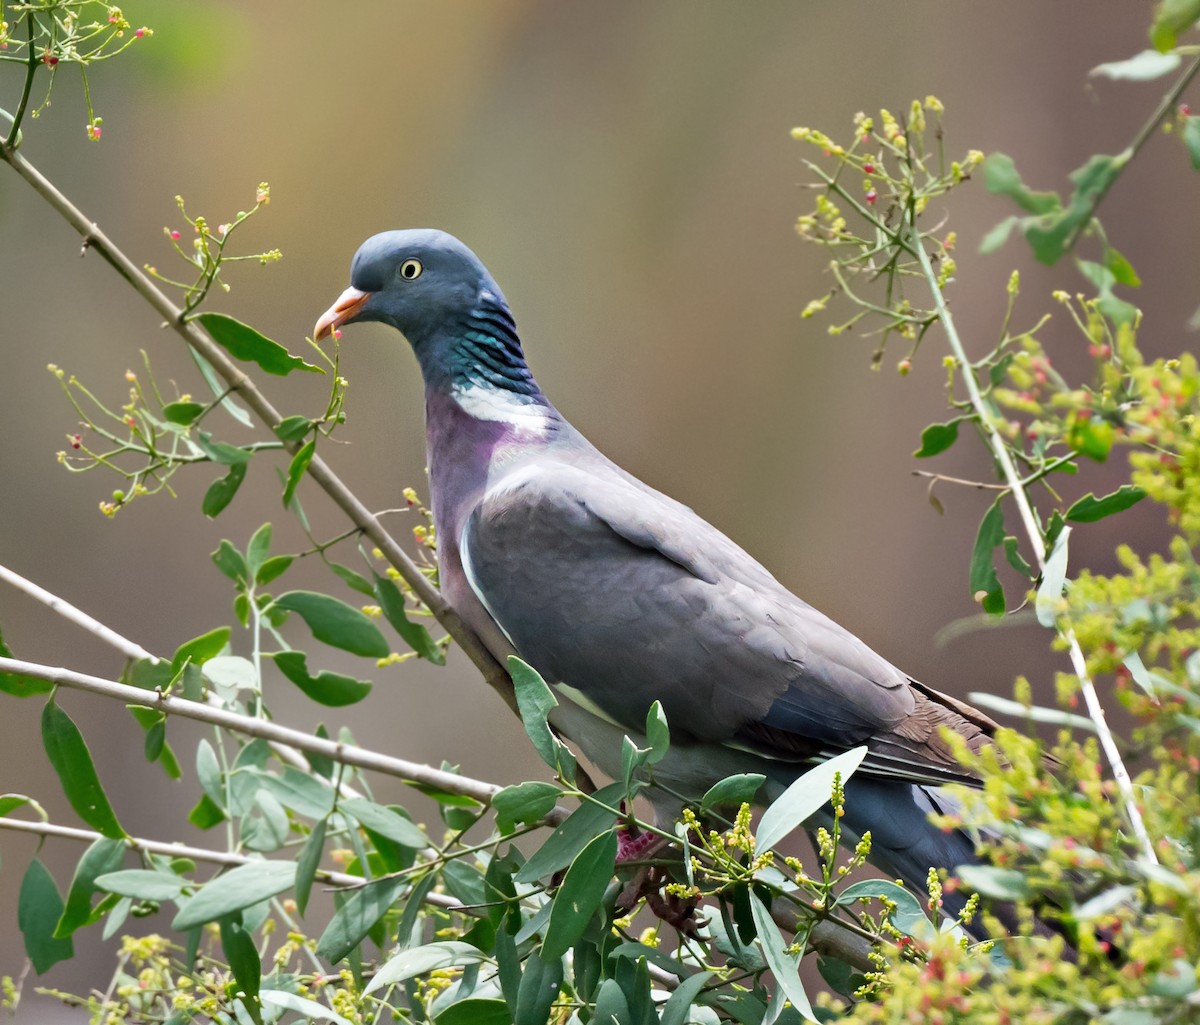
[[410, 269]]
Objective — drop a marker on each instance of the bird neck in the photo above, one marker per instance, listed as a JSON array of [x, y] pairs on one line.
[[479, 351]]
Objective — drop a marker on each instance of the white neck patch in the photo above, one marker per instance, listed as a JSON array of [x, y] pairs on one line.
[[500, 406]]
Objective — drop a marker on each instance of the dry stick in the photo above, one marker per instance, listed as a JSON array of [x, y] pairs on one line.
[[345, 754], [1033, 532], [93, 238], [131, 649]]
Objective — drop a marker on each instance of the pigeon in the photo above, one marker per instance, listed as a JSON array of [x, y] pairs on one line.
[[620, 596]]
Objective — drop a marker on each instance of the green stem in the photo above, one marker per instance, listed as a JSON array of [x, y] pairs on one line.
[[30, 71], [1160, 113], [1009, 471]]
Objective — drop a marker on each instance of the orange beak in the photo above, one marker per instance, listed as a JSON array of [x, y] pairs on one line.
[[347, 305]]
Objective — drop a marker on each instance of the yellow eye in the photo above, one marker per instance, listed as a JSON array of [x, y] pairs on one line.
[[410, 269]]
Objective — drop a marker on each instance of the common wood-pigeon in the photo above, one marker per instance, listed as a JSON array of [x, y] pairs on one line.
[[619, 595]]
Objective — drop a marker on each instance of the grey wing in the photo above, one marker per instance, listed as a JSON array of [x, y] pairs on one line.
[[628, 597]]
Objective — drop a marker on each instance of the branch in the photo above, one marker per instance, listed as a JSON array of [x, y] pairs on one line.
[[93, 238], [1161, 111], [178, 850], [1033, 532], [131, 649], [344, 754]]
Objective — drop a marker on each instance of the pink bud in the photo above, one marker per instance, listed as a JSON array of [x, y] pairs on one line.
[[175, 235], [868, 168], [872, 195], [139, 33], [337, 332]]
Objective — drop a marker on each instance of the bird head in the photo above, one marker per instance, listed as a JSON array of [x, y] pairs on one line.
[[420, 281]]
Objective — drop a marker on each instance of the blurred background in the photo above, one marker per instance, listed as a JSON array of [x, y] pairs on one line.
[[625, 170]]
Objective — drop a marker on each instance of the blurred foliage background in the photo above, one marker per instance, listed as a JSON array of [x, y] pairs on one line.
[[626, 172]]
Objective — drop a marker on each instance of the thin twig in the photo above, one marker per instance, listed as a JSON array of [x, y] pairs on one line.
[[345, 754], [178, 850], [1168, 101], [133, 650], [982, 485], [466, 638], [1033, 532]]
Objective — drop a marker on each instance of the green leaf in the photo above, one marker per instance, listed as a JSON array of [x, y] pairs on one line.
[[357, 917], [242, 955], [20, 686], [983, 582], [732, 791], [805, 796], [183, 413], [219, 389], [1036, 713], [103, 856], [231, 562], [658, 734], [1049, 234], [244, 343], [998, 235], [999, 883], [265, 826], [258, 548], [384, 821], [1001, 178], [535, 701], [300, 791], [783, 966], [220, 452], [335, 623], [326, 688], [308, 862], [408, 964], [1090, 437], [539, 988], [526, 802], [273, 568], [909, 917], [580, 895], [206, 814], [222, 490], [587, 821], [354, 581], [236, 889], [1142, 67], [1012, 552], [1104, 278], [200, 649], [39, 908], [475, 1011], [143, 884], [937, 438], [1171, 17], [1090, 508], [1120, 268], [310, 1010], [1049, 600], [68, 753], [391, 601], [11, 802], [675, 1010], [1190, 134], [304, 456], [293, 428]]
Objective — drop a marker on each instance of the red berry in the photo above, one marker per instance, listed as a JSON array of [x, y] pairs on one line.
[[872, 195], [868, 168]]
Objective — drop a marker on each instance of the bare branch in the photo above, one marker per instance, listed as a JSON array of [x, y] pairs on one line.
[[344, 754]]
